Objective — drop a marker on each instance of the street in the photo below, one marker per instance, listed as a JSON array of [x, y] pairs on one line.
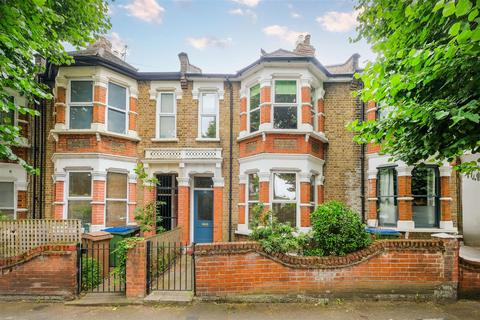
[[335, 310]]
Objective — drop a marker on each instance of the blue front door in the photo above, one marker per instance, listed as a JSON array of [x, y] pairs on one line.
[[203, 216]]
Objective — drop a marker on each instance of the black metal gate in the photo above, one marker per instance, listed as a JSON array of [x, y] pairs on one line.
[[100, 268], [170, 266]]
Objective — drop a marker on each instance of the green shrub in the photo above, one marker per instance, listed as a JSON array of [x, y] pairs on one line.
[[337, 230], [273, 236], [91, 273]]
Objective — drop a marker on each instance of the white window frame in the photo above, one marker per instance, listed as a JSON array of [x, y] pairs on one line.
[[67, 191], [297, 194], [14, 198], [298, 104], [78, 104], [127, 106], [159, 114], [313, 177], [249, 111], [216, 115], [116, 199], [247, 198]]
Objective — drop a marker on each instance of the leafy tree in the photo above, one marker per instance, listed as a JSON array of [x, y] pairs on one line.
[[39, 27], [428, 68]]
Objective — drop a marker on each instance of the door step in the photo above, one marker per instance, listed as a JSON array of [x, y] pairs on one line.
[[169, 296]]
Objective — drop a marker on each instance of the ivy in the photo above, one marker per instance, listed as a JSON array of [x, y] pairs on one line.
[[121, 254]]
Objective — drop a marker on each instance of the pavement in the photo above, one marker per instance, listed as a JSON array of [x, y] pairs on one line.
[[335, 310]]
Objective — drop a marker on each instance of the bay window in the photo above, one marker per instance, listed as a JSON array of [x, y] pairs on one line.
[[7, 199], [166, 121], [254, 108], [80, 104], [425, 191], [208, 118], [117, 108], [79, 196], [313, 193], [284, 201], [285, 104], [116, 199], [313, 105], [387, 196], [253, 193]]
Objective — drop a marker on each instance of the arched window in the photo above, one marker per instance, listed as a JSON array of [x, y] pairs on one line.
[[426, 193]]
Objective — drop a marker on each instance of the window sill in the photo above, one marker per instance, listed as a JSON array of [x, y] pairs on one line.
[[164, 139], [318, 135], [207, 139], [56, 132]]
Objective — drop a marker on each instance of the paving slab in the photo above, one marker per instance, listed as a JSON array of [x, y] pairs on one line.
[[169, 297], [104, 299], [470, 253]]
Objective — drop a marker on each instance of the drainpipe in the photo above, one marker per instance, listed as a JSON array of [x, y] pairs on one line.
[[362, 166], [230, 173]]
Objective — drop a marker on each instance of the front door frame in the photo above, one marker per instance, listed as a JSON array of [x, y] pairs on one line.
[[192, 204]]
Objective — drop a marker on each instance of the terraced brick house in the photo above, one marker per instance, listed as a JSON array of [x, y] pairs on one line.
[[273, 132]]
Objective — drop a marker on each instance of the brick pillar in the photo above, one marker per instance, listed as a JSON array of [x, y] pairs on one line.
[[243, 114], [98, 202], [149, 195], [22, 204], [99, 103], [132, 201], [265, 105], [321, 114], [217, 213], [264, 196], [132, 114], [306, 105], [59, 203], [136, 271], [372, 219], [304, 200], [184, 208], [60, 105], [445, 198], [405, 208], [242, 204]]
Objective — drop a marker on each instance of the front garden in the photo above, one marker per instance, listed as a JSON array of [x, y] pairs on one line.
[[336, 231]]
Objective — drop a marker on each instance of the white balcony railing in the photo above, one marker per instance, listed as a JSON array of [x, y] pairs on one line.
[[183, 154]]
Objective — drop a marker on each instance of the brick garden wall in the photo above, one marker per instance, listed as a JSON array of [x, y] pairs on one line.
[[469, 279], [405, 268], [49, 271]]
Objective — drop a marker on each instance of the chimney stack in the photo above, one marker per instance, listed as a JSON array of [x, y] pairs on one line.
[[304, 47]]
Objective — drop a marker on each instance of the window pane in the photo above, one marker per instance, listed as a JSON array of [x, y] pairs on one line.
[[116, 185], [285, 91], [116, 121], [116, 213], [167, 127], [8, 117], [80, 117], [254, 96], [209, 127], [209, 103], [203, 182], [9, 214], [81, 91], [80, 209], [386, 193], [253, 186], [205, 204], [285, 117], [254, 120], [425, 196], [80, 184], [117, 96], [166, 103], [251, 213], [285, 212], [284, 186], [7, 195]]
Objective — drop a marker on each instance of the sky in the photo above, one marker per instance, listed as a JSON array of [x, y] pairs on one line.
[[223, 36]]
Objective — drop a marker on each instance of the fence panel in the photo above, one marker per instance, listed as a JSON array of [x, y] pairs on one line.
[[20, 236]]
